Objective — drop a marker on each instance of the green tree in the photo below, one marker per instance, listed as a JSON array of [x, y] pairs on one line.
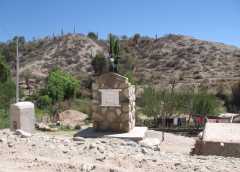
[[99, 64], [165, 103], [7, 93], [205, 104], [4, 71], [235, 98], [151, 104], [61, 85], [92, 35]]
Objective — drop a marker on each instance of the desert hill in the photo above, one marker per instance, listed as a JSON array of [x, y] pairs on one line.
[[185, 60], [157, 61]]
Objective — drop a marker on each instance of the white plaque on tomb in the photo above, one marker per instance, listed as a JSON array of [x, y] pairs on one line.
[[110, 97]]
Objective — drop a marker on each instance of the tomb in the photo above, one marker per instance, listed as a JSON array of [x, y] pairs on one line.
[[222, 139]]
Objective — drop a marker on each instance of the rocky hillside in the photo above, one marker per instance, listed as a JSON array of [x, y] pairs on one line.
[[159, 61], [185, 60], [72, 53]]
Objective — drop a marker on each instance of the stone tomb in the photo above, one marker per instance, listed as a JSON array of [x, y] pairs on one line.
[[222, 139], [22, 116], [113, 106]]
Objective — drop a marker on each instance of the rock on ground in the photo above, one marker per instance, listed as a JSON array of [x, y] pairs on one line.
[[72, 118], [57, 152]]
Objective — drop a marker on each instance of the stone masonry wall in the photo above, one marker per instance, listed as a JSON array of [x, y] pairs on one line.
[[117, 118]]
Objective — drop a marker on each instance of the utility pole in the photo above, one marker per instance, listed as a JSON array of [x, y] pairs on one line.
[[17, 74]]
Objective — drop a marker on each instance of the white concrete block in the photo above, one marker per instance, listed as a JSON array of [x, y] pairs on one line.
[[22, 116], [222, 132]]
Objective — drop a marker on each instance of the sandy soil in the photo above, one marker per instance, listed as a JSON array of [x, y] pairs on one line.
[[60, 153]]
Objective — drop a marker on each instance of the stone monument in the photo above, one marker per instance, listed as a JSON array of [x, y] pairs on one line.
[[113, 106], [22, 116]]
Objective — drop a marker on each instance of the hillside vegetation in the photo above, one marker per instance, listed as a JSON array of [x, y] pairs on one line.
[[158, 61]]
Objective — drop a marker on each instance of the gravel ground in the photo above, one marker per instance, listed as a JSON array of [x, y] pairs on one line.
[[60, 153]]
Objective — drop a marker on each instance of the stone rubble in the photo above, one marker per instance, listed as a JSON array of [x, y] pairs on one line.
[[47, 152]]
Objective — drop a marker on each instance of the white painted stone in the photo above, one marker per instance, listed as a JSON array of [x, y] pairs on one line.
[[22, 116], [150, 142]]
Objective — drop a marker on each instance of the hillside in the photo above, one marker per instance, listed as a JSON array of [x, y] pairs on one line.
[[186, 60]]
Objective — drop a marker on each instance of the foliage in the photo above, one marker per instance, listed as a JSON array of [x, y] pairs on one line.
[[93, 36], [7, 93], [151, 102], [4, 119], [130, 77], [205, 104], [61, 85], [9, 49], [7, 86], [4, 71], [44, 102], [99, 64], [235, 98], [136, 38], [165, 103]]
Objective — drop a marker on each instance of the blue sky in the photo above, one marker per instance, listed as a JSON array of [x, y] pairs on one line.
[[214, 20]]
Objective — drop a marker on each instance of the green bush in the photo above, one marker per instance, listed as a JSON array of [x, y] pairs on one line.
[[4, 119], [151, 102], [93, 35], [99, 64], [61, 85], [7, 93], [205, 104], [235, 98], [165, 103], [44, 102]]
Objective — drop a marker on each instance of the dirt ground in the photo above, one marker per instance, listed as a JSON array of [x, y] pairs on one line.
[[58, 152]]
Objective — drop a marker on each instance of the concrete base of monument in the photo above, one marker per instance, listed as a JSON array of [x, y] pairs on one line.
[[136, 134]]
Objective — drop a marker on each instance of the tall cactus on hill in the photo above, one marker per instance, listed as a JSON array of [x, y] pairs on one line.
[[113, 53]]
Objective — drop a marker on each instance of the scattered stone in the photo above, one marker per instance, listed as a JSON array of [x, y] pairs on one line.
[[152, 143], [72, 118], [2, 140], [44, 127], [10, 144], [177, 164], [144, 150], [87, 167], [78, 139], [66, 142], [91, 146], [65, 151], [23, 134], [100, 149], [101, 158]]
